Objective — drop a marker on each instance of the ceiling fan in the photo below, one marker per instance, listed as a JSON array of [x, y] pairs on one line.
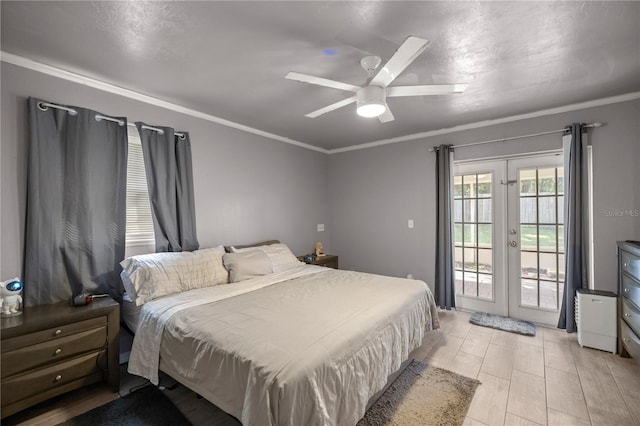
[[371, 98]]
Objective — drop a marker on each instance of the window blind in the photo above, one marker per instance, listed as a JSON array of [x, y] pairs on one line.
[[139, 219]]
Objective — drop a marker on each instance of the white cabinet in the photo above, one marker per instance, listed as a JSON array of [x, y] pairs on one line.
[[596, 319]]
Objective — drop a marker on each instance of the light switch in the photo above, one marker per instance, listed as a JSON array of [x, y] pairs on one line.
[[410, 223], [321, 227]]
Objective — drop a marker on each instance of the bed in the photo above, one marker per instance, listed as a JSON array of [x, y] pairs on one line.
[[299, 345]]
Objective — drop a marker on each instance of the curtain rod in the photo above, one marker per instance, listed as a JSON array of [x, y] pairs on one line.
[[45, 105], [596, 124]]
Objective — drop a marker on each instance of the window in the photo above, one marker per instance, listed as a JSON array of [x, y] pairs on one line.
[[139, 219]]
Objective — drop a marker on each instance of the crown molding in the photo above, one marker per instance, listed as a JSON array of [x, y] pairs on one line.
[[112, 88], [558, 110], [23, 62]]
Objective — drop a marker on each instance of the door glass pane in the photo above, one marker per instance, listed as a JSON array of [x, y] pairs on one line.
[[470, 260], [547, 181], [485, 260], [561, 267], [470, 234], [529, 292], [484, 185], [471, 284], [547, 209], [484, 235], [457, 187], [548, 237], [561, 239], [457, 233], [548, 294], [484, 210], [528, 264], [529, 237], [469, 186], [528, 210], [459, 281], [560, 180], [548, 266], [457, 210], [560, 209], [527, 182], [485, 286], [469, 210]]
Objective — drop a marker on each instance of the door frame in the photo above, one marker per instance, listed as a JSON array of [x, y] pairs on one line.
[[501, 305]]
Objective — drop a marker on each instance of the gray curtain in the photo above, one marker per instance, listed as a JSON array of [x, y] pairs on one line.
[[576, 225], [75, 226], [167, 160], [444, 276]]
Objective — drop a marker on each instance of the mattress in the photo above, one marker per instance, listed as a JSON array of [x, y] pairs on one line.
[[308, 346], [130, 312]]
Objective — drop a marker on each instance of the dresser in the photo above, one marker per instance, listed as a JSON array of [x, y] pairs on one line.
[[328, 260], [629, 300], [53, 349]]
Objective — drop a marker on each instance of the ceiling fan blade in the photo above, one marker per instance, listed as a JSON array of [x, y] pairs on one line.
[[305, 78], [406, 53], [331, 107], [386, 116], [426, 90]]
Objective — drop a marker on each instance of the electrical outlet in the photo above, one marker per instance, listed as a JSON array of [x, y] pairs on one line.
[[410, 223], [320, 227]]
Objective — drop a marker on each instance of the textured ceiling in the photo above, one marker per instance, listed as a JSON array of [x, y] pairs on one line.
[[229, 59]]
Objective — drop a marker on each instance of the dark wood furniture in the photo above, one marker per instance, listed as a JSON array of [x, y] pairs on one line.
[[328, 260], [629, 300], [53, 349]]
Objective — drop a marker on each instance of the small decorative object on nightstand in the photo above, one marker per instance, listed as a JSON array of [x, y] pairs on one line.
[[53, 349], [328, 260], [319, 249]]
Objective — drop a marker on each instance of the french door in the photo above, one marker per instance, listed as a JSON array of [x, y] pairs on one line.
[[509, 237]]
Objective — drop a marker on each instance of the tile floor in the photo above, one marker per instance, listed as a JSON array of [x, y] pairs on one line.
[[543, 380]]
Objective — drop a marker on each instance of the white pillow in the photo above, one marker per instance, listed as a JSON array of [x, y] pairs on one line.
[[249, 264], [282, 259], [159, 274]]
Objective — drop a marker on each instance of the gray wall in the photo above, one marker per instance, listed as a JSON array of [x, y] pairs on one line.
[[247, 187], [373, 192]]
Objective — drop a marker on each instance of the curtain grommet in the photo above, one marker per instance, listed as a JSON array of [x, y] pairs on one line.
[[42, 106]]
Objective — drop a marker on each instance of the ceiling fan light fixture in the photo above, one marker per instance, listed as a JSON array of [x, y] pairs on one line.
[[370, 101]]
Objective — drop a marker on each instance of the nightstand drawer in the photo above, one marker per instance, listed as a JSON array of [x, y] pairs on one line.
[[630, 264], [23, 386], [28, 357], [52, 333]]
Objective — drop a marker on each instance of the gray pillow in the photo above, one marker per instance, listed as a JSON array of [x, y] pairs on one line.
[[261, 243], [251, 264]]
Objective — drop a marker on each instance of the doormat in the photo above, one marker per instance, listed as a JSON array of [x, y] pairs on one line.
[[503, 323]]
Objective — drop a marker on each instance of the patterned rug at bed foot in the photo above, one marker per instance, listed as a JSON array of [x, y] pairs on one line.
[[423, 395], [144, 407], [503, 323]]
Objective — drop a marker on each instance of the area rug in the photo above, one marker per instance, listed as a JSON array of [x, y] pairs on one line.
[[503, 323], [423, 395], [145, 407]]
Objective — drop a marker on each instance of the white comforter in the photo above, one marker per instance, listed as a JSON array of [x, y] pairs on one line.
[[308, 346]]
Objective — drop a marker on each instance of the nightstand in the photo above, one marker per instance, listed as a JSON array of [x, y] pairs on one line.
[[328, 260], [53, 349]]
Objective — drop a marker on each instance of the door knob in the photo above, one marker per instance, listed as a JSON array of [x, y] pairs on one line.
[[513, 231], [513, 243]]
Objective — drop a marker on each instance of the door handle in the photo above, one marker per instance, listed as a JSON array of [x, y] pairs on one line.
[[513, 243]]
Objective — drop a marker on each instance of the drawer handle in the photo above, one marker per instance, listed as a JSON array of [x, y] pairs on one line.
[[626, 290], [627, 315], [58, 378], [624, 339], [58, 351], [626, 265], [58, 331]]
